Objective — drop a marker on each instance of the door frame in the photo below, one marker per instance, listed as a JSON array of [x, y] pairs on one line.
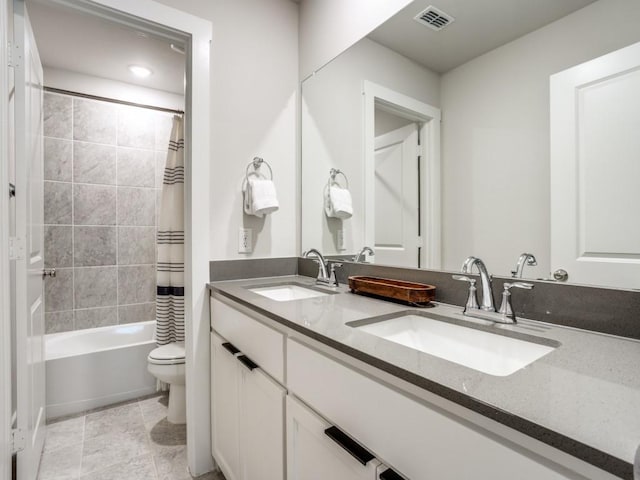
[[5, 313], [429, 131], [197, 33]]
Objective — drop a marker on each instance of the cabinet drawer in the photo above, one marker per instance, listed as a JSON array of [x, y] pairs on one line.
[[421, 442], [262, 344], [312, 455]]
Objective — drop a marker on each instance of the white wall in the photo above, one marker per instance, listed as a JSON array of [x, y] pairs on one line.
[[336, 140], [254, 75], [495, 136], [329, 27], [102, 87]]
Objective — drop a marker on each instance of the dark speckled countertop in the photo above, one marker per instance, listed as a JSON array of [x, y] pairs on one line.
[[582, 398]]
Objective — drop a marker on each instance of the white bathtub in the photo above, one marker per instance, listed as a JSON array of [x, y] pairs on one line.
[[97, 367]]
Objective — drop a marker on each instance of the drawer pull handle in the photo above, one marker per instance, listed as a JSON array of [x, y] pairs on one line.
[[350, 445], [389, 474], [247, 362], [233, 350]]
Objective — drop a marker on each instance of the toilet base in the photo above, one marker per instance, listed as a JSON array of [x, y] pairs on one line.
[[177, 410]]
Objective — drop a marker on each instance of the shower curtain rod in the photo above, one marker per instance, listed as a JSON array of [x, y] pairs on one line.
[[105, 99]]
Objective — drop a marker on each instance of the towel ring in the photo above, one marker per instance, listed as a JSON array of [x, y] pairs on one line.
[[256, 164], [332, 177]]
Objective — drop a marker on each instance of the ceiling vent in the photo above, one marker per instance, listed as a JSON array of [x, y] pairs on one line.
[[434, 18]]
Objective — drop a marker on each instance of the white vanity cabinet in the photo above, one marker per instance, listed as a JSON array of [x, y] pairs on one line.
[[312, 454], [255, 406], [422, 442], [247, 406]]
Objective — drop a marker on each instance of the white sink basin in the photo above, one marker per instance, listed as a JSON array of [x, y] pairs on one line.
[[286, 293], [486, 352]]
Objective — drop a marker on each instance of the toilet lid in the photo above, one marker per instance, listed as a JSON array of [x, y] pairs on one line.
[[170, 353]]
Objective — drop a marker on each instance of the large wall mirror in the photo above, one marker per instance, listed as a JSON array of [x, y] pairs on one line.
[[448, 139]]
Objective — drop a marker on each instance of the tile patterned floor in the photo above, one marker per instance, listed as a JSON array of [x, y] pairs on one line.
[[133, 440]]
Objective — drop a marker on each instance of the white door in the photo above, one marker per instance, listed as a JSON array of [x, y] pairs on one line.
[[397, 202], [225, 404], [312, 455], [261, 426], [30, 381], [595, 167]]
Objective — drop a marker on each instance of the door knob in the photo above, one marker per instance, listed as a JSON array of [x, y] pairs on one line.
[[561, 275], [48, 272]]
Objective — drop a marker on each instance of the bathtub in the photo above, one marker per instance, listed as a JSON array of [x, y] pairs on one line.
[[92, 368]]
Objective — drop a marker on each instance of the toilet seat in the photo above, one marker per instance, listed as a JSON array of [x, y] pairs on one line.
[[170, 354]]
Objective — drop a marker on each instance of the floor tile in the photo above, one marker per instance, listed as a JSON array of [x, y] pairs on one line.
[[120, 419], [61, 463], [64, 433], [166, 434], [139, 468], [171, 463], [132, 441], [112, 448]]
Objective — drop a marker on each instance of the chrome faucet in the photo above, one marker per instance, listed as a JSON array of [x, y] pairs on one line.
[[525, 259], [324, 277], [485, 282], [487, 311], [360, 257]]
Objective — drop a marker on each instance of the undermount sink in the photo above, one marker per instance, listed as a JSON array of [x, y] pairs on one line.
[[473, 346], [288, 292]]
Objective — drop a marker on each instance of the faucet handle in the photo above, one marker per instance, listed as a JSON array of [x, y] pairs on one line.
[[472, 299], [333, 266], [332, 273], [506, 309], [527, 286], [464, 278]]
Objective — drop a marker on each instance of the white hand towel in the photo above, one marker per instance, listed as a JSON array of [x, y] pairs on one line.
[[340, 199], [263, 197], [248, 198], [328, 207]]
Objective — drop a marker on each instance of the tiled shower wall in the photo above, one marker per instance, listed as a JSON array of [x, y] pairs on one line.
[[103, 167]]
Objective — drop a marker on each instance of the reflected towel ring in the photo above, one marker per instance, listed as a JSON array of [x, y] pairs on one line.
[[256, 164], [332, 177]]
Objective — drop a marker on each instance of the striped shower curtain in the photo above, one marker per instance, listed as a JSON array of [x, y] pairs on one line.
[[170, 269]]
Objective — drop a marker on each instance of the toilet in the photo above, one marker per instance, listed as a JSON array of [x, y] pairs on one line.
[[166, 363]]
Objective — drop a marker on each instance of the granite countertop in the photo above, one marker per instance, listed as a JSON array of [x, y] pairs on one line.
[[582, 398]]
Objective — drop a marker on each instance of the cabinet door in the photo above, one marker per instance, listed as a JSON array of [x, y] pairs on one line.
[[261, 426], [225, 408], [312, 455]]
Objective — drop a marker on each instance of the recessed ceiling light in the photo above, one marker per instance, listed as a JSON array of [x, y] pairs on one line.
[[140, 71]]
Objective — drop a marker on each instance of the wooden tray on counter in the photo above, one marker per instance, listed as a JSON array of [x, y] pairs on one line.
[[417, 294]]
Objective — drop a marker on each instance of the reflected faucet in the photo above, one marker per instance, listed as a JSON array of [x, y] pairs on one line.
[[485, 282], [361, 256], [525, 259]]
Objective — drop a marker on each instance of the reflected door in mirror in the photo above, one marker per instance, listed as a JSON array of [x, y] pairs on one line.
[[397, 205], [595, 170]]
